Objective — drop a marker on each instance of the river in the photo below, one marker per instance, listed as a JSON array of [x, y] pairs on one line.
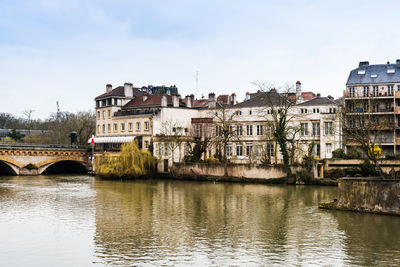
[[70, 220]]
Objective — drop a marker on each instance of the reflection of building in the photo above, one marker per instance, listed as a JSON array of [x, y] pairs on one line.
[[373, 92]]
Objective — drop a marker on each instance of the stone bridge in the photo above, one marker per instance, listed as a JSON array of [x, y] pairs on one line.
[[29, 159]]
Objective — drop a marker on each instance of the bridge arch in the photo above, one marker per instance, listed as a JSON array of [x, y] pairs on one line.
[[8, 168], [64, 166]]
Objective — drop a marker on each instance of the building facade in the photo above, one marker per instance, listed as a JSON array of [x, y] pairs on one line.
[[372, 102]]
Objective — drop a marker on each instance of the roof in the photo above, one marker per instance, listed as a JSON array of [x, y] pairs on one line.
[[112, 139], [152, 100], [120, 91], [262, 99], [200, 103], [374, 74], [318, 101]]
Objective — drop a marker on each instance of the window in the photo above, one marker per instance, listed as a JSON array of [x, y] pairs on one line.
[[239, 130], [115, 101], [97, 103], [390, 89], [230, 128], [109, 102], [123, 127], [268, 130], [98, 129], [249, 150], [398, 88], [303, 110], [259, 130], [315, 110], [98, 115], [249, 129], [218, 130], [166, 149], [109, 113], [238, 113], [317, 150], [250, 112], [258, 150], [138, 126], [332, 110], [366, 89], [146, 126], [315, 129], [375, 88], [115, 127], [109, 128], [104, 114], [229, 150], [270, 150], [239, 150], [160, 149], [130, 127], [328, 128], [104, 128], [304, 129], [146, 144], [351, 91], [328, 148]]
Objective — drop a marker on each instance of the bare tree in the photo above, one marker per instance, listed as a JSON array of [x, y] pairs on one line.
[[28, 115], [278, 114], [225, 131], [173, 135], [365, 128]]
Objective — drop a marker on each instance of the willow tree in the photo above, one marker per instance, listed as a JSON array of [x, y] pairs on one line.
[[131, 162]]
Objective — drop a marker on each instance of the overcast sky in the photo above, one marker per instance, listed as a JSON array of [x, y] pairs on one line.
[[68, 50]]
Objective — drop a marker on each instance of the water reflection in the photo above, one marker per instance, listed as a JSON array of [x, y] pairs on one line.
[[78, 221]]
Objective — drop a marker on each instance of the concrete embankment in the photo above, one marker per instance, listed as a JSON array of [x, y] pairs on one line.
[[371, 195], [236, 172]]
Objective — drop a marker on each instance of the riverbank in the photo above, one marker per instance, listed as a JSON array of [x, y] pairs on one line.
[[371, 195]]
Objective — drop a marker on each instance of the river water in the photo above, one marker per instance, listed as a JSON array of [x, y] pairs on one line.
[[83, 221]]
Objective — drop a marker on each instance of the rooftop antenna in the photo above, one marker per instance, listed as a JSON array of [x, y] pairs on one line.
[[197, 83]]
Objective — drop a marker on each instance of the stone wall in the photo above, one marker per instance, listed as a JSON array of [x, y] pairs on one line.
[[234, 170], [386, 164], [369, 195]]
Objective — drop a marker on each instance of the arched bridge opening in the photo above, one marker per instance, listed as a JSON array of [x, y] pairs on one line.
[[66, 167], [6, 169]]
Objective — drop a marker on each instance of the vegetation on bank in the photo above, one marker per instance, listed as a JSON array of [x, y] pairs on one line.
[[131, 162]]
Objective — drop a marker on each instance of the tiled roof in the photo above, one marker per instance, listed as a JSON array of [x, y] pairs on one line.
[[120, 91], [318, 101], [374, 74], [305, 95], [200, 103], [262, 99]]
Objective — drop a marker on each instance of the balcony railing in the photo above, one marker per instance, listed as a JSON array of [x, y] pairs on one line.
[[133, 112]]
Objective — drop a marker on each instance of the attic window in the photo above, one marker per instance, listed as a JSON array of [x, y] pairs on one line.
[[391, 71], [361, 72], [374, 75]]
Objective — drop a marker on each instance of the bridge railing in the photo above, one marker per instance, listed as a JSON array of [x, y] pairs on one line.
[[44, 146]]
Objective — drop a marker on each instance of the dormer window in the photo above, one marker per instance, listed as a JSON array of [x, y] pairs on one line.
[[390, 71], [361, 72], [374, 75]]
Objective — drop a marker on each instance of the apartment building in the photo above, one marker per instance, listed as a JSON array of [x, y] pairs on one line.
[[372, 99]]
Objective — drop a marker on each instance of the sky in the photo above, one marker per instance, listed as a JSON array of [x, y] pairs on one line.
[[67, 51]]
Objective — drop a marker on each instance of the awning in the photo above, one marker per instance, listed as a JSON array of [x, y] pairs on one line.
[[112, 139]]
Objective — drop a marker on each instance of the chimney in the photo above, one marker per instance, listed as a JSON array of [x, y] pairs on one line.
[[175, 101], [145, 97], [398, 62], [247, 96], [192, 99], [211, 100], [363, 63], [318, 95], [128, 90], [164, 102], [233, 99], [108, 88], [299, 96], [188, 101], [330, 97]]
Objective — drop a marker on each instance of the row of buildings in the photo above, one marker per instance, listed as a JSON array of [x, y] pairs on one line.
[[158, 118]]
